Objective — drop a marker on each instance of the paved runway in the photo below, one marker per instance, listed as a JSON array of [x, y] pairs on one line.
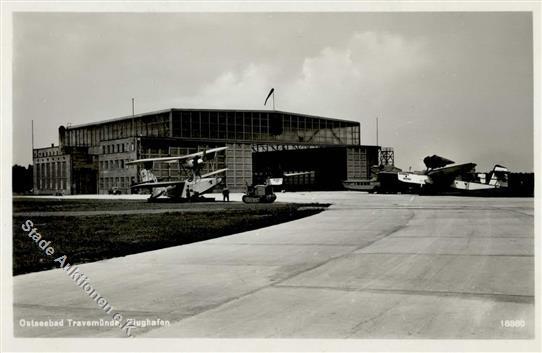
[[372, 266]]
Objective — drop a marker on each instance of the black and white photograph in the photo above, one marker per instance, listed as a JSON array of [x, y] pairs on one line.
[[270, 176]]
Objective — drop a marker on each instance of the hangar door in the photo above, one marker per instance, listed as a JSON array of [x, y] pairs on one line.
[[323, 168]]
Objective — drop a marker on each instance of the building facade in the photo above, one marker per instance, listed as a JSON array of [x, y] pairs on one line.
[[91, 158]]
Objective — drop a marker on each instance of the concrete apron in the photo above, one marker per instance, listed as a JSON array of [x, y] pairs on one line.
[[372, 266]]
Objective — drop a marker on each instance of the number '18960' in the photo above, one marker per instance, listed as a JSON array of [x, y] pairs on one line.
[[512, 323]]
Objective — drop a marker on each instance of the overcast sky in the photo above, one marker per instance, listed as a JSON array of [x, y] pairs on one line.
[[454, 84]]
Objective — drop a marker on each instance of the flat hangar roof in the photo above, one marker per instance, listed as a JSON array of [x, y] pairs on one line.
[[112, 120]]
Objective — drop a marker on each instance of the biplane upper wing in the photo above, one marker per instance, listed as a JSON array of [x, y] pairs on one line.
[[157, 184], [177, 158]]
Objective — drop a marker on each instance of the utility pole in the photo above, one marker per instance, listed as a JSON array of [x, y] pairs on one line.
[[133, 118], [32, 127], [32, 137], [377, 131]]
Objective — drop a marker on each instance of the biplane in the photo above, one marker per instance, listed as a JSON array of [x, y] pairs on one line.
[[461, 178], [189, 189]]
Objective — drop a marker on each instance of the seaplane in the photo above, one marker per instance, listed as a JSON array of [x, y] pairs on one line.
[[441, 177], [190, 189]]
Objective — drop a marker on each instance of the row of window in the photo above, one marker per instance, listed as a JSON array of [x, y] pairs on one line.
[[221, 125], [42, 160], [107, 183], [52, 184], [152, 125], [113, 164], [52, 175], [46, 153], [263, 126], [117, 148]]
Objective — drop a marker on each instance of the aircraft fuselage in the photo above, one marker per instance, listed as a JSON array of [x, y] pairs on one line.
[[188, 189]]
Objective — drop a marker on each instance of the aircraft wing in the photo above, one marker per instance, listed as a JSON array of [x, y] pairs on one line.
[[411, 178], [296, 173], [177, 158], [158, 184], [434, 161], [164, 159], [500, 168], [448, 174], [213, 173]]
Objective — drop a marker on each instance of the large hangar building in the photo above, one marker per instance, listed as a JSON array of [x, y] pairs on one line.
[[91, 158]]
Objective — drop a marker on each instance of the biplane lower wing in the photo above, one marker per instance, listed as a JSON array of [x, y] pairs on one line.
[[214, 172], [159, 184]]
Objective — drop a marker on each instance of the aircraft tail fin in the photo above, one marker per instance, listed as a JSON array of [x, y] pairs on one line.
[[147, 176], [496, 175]]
